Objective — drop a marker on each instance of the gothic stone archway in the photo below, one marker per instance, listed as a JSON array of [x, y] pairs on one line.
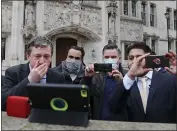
[[65, 37]]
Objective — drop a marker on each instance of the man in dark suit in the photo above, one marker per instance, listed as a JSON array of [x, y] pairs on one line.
[[39, 54], [146, 95]]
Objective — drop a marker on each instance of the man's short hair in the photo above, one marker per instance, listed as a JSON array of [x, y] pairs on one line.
[[39, 41], [139, 45], [111, 46], [81, 49]]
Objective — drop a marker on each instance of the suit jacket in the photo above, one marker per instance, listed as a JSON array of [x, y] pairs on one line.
[[2, 80], [161, 103], [15, 81]]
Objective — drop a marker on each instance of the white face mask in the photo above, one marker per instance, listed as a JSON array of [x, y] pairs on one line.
[[114, 62]]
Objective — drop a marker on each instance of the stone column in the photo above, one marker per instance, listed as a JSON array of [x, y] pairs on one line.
[[149, 41], [122, 52], [138, 9], [157, 46], [130, 8], [40, 17], [147, 14], [118, 24], [104, 22], [17, 41]]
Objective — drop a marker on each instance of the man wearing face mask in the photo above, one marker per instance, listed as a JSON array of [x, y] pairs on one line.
[[73, 67], [102, 85]]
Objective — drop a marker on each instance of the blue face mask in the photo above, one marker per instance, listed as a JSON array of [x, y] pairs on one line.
[[114, 62]]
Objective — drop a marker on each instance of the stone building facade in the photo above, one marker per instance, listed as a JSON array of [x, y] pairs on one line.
[[90, 24]]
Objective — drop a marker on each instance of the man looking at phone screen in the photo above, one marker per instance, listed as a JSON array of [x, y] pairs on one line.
[[39, 53], [103, 84], [146, 95]]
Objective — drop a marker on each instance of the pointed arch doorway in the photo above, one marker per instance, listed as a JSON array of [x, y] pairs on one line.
[[62, 47]]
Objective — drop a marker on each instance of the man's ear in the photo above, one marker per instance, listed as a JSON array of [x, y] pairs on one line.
[[27, 55]]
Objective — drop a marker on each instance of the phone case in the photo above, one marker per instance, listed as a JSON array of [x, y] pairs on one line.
[[157, 62]]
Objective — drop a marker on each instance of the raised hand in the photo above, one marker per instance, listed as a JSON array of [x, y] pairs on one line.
[[117, 75], [89, 70], [172, 57], [137, 68], [37, 73]]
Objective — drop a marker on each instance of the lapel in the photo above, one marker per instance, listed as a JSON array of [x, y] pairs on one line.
[[137, 97], [156, 82], [48, 77], [25, 71]]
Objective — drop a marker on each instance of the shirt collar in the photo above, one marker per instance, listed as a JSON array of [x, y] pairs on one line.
[[148, 75], [30, 66]]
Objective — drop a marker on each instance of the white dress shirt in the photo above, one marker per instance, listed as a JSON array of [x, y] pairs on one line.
[[129, 82], [73, 76]]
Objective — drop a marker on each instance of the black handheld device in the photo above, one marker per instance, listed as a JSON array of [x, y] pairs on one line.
[[154, 61], [98, 67]]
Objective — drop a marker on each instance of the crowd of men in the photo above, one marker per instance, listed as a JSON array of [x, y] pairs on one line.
[[138, 95]]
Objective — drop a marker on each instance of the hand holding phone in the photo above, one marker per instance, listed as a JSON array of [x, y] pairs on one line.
[[98, 67], [89, 70], [173, 59]]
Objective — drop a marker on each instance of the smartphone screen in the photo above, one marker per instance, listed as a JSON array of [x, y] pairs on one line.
[[102, 67], [154, 61]]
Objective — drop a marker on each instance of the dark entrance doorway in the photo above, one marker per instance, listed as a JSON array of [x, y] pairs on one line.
[[62, 47]]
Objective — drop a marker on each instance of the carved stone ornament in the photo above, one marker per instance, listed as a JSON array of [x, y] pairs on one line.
[[112, 38], [29, 32], [6, 18], [91, 19], [58, 15], [30, 15], [75, 29], [131, 31]]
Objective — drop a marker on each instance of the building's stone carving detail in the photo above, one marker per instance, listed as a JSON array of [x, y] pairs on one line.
[[75, 29], [131, 31], [29, 27], [30, 15], [92, 20], [65, 14], [6, 17], [56, 15]]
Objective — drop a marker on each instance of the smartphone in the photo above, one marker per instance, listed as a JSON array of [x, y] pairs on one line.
[[154, 61], [98, 67]]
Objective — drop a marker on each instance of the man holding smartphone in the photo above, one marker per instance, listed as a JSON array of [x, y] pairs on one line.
[[103, 84], [146, 95], [39, 53]]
